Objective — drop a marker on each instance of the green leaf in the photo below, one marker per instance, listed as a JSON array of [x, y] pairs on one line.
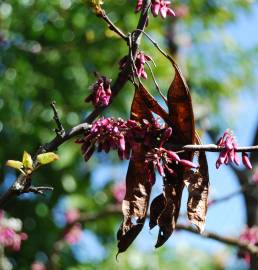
[[47, 158], [27, 160], [14, 164]]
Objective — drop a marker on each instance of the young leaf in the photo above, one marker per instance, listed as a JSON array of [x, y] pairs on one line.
[[138, 187], [46, 158], [14, 164], [27, 160]]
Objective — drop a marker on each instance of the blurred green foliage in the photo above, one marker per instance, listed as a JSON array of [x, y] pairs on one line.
[[49, 51]]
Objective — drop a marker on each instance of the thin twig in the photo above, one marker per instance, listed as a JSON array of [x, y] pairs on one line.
[[111, 25], [156, 83], [210, 148], [60, 129]]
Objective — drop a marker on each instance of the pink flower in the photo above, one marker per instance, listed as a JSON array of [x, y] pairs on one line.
[[138, 6], [140, 61], [38, 266], [74, 234], [101, 92], [229, 153], [249, 236], [162, 7], [107, 133], [161, 158], [10, 239], [72, 215], [122, 135], [157, 6], [246, 161], [118, 191]]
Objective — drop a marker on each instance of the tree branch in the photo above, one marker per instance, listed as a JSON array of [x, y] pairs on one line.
[[22, 184], [211, 148], [111, 25]]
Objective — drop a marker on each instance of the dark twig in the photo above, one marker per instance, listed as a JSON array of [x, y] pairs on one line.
[[60, 129], [39, 190]]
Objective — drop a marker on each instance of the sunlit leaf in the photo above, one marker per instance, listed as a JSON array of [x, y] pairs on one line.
[[27, 160], [46, 158], [14, 164]]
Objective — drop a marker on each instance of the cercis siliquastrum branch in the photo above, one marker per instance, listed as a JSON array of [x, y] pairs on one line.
[[22, 183], [147, 144]]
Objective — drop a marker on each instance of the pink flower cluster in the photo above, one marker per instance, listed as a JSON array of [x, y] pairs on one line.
[[101, 92], [157, 7], [126, 136], [249, 236], [229, 153], [121, 135], [38, 266], [140, 61], [72, 215], [73, 234], [107, 133], [10, 235], [161, 158]]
